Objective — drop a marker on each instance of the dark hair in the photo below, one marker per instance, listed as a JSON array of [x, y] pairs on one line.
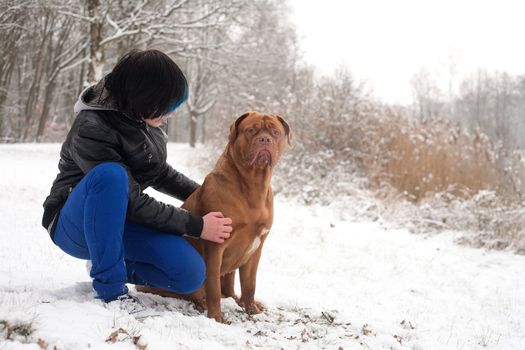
[[145, 84]]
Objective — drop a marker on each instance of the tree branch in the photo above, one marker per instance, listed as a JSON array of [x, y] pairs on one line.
[[84, 18]]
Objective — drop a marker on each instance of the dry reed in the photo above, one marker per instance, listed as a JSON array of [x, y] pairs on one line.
[[421, 159]]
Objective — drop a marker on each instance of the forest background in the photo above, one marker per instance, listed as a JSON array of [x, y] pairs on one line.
[[449, 160]]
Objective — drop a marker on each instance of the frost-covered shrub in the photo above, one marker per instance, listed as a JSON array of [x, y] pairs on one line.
[[428, 177]]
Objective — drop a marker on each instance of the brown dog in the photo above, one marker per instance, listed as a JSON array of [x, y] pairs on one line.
[[240, 187]]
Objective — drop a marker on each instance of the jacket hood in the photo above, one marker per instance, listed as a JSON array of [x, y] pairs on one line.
[[95, 97], [98, 98]]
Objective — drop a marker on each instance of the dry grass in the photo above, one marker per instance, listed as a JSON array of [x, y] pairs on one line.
[[13, 331], [426, 176], [422, 159], [450, 178]]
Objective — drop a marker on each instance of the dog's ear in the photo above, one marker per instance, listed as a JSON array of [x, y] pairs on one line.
[[234, 128], [287, 130]]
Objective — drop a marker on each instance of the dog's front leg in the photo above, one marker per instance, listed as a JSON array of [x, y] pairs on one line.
[[228, 286], [248, 274], [213, 281]]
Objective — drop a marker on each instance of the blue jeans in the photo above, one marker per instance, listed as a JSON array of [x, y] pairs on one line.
[[92, 225]]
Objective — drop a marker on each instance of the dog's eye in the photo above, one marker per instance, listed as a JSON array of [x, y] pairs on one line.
[[276, 132], [250, 131]]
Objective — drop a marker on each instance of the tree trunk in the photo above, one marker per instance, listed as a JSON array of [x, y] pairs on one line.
[[8, 61], [6, 70], [82, 72], [193, 129], [5, 81], [96, 51], [34, 90], [203, 129], [48, 98]]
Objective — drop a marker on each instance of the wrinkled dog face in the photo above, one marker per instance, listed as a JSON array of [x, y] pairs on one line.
[[259, 139]]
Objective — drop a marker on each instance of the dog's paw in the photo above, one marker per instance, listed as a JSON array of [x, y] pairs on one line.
[[253, 307], [218, 317], [260, 305], [199, 304]]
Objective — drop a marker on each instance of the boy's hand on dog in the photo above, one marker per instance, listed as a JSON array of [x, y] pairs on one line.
[[216, 227]]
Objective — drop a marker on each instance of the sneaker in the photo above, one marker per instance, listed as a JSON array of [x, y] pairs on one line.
[[129, 304]]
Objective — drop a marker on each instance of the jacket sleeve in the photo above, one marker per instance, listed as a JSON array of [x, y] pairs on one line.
[[92, 145], [175, 184]]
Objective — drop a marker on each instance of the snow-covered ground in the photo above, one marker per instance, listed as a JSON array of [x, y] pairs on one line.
[[327, 283]]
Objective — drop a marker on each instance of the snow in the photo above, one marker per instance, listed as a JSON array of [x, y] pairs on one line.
[[327, 281]]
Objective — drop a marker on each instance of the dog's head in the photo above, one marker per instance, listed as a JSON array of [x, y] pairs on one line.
[[259, 139]]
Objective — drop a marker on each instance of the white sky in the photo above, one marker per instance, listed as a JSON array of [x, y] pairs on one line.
[[385, 42]]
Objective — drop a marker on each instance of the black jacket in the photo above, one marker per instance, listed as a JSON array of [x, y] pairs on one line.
[[102, 134]]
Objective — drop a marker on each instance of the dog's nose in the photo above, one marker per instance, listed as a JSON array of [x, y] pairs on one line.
[[264, 140]]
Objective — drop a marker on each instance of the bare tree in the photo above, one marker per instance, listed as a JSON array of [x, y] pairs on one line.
[[427, 95], [202, 96], [12, 19], [492, 103], [50, 42], [61, 56]]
